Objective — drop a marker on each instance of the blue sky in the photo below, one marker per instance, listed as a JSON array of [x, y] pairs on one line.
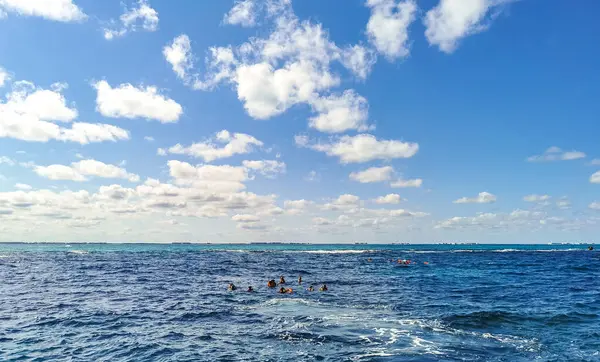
[[336, 121]]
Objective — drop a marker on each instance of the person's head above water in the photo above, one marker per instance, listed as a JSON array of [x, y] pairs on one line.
[[282, 290], [250, 289]]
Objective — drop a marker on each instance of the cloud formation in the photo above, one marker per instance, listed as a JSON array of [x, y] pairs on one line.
[[223, 145], [127, 101], [143, 13], [361, 148], [481, 198], [57, 10], [557, 154]]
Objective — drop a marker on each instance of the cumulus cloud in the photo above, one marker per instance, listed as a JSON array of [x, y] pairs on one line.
[[362, 148], [594, 205], [222, 145], [127, 101], [536, 198], [401, 183], [131, 20], [57, 10], [149, 138], [267, 168], [343, 202], [388, 199], [359, 59], [452, 20], [245, 218], [243, 13], [30, 113], [4, 76], [373, 174], [25, 187], [481, 198], [556, 154], [219, 178], [297, 204], [595, 178], [179, 55], [7, 161], [78, 171], [292, 65], [388, 26], [339, 113]]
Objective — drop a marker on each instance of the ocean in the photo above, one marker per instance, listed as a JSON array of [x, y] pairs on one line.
[[137, 302]]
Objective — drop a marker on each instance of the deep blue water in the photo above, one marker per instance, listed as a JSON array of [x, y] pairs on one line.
[[170, 303]]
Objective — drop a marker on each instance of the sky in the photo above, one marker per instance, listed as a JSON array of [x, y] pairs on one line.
[[334, 121]]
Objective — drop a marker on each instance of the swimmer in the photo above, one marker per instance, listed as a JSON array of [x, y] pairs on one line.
[[323, 288], [282, 290], [311, 289], [289, 290], [300, 279], [369, 260], [281, 280], [590, 248], [250, 289], [426, 262], [231, 287], [271, 283]]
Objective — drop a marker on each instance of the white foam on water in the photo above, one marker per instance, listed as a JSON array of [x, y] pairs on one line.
[[3, 256], [79, 252]]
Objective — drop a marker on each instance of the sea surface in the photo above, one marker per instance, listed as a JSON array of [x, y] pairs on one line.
[[135, 302]]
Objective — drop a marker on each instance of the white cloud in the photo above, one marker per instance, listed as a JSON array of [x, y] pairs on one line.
[[224, 178], [536, 198], [595, 205], [243, 13], [362, 148], [595, 162], [57, 10], [359, 59], [388, 26], [452, 20], [245, 218], [340, 113], [481, 198], [595, 178], [179, 55], [400, 183], [267, 168], [343, 202], [312, 176], [373, 174], [127, 101], [297, 204], [59, 172], [563, 203], [4, 76], [79, 170], [129, 20], [268, 92], [556, 154], [23, 187], [7, 161], [149, 138], [29, 114], [388, 199], [292, 65], [210, 150]]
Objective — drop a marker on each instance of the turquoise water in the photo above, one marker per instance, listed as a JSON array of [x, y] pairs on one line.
[[145, 302]]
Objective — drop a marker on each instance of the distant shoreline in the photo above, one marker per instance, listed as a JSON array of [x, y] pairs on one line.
[[271, 243]]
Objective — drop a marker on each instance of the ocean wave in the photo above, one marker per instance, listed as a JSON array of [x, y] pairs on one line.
[[491, 251], [79, 252]]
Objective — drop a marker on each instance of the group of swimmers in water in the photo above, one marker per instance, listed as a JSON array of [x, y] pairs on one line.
[[282, 290]]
